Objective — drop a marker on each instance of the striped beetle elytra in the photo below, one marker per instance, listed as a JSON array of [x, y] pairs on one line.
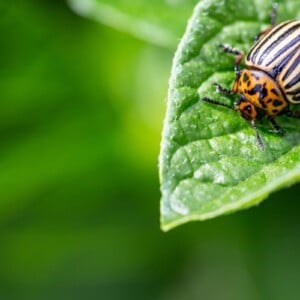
[[271, 80]]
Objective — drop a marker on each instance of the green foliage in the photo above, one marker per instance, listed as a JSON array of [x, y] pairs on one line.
[[159, 22], [80, 124], [72, 174], [210, 162]]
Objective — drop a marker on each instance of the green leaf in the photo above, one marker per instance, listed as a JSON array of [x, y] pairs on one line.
[[210, 162], [156, 21]]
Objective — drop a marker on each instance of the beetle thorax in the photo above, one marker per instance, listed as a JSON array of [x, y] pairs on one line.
[[261, 90]]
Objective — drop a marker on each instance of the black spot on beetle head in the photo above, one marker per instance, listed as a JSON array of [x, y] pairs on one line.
[[245, 77], [277, 103]]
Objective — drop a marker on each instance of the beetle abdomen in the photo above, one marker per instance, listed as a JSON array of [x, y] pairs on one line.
[[278, 54]]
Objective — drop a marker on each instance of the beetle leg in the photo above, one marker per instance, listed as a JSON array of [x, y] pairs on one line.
[[258, 136], [273, 16], [252, 121], [223, 90], [293, 114], [229, 49], [211, 101], [275, 126], [238, 56]]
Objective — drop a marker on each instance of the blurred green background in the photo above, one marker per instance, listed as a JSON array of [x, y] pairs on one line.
[[81, 113]]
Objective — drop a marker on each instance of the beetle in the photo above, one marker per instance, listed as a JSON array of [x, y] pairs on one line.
[[271, 80]]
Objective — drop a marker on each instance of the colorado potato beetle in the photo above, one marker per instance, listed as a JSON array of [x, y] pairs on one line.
[[271, 80]]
